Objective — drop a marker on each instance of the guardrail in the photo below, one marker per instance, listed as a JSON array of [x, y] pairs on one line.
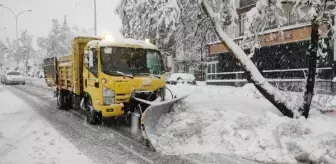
[[299, 74]]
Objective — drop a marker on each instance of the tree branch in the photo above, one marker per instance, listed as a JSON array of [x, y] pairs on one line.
[[266, 89]]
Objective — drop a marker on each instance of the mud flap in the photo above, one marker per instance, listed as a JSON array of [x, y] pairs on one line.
[[151, 116]]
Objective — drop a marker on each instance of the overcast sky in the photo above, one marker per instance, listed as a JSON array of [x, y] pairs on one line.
[[38, 22]]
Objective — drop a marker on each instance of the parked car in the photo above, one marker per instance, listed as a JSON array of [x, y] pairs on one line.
[[181, 78], [13, 77]]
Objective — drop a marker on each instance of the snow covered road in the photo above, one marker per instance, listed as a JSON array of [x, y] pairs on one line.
[[215, 124], [26, 137], [92, 144]]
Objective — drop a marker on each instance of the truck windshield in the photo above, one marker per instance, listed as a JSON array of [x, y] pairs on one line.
[[134, 61]]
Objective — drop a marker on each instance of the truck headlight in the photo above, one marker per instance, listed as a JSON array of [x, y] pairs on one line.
[[108, 96]]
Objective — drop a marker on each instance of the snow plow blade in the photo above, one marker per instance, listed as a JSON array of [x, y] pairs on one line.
[[151, 116]]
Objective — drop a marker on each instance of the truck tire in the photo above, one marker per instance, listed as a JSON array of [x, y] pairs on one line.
[[92, 116], [60, 100], [64, 101]]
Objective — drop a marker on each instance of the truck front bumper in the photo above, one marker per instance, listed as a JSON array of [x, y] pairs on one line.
[[111, 110]]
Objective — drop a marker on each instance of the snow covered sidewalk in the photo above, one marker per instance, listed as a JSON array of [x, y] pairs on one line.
[[237, 121], [26, 137]]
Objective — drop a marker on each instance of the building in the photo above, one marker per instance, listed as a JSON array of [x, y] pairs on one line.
[[281, 58]]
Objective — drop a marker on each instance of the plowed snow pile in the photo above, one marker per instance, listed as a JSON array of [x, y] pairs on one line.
[[238, 121]]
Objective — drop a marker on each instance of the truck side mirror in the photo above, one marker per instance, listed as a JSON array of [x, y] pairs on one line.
[[90, 59], [86, 57]]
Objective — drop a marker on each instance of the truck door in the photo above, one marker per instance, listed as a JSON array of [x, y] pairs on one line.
[[91, 79]]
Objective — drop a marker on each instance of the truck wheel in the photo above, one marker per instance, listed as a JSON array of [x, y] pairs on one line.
[[60, 100], [92, 116]]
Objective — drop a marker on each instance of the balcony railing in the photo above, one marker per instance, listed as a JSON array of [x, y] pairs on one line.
[[300, 74]]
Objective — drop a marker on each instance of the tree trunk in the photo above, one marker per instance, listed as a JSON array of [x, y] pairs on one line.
[[254, 76], [312, 57]]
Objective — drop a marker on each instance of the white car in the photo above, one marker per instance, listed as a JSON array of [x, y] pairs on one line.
[[181, 78], [13, 77]]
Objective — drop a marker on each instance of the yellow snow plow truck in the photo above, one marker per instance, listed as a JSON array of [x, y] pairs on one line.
[[113, 78]]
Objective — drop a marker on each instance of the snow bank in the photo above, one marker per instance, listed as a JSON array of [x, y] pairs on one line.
[[25, 137], [38, 82], [237, 121]]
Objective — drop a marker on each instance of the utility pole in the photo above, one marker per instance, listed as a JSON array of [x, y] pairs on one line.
[[95, 17], [16, 18]]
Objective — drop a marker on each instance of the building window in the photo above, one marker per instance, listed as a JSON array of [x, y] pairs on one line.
[[209, 69], [242, 23], [212, 69], [289, 15]]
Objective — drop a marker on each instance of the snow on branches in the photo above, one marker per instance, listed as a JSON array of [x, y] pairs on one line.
[[258, 18], [179, 28], [58, 41]]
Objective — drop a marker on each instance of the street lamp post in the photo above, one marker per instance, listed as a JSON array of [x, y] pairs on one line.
[[95, 17], [16, 17]]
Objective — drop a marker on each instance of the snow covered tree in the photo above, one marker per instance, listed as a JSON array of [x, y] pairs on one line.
[[154, 20], [18, 52], [192, 33], [51, 43], [182, 28], [26, 49], [176, 27], [257, 17], [3, 50], [66, 35], [58, 41], [13, 47]]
